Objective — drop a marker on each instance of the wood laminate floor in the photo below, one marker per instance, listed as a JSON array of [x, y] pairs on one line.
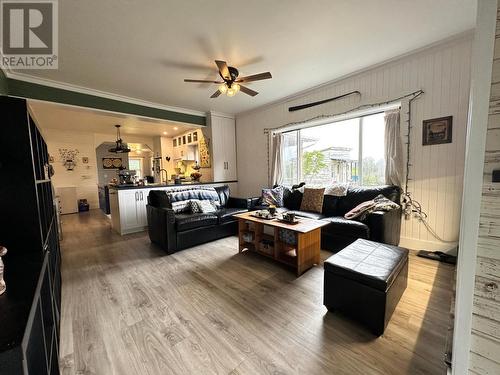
[[127, 308]]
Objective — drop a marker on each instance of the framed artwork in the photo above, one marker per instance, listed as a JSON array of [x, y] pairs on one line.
[[175, 142], [111, 163], [204, 153], [189, 138], [195, 136], [437, 131], [183, 139]]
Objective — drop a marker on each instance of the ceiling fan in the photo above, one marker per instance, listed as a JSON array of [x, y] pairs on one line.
[[230, 83]]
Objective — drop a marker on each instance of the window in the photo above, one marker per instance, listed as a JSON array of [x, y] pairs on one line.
[[135, 164], [343, 151]]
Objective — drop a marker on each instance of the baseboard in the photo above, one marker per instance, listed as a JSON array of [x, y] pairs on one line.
[[416, 244]]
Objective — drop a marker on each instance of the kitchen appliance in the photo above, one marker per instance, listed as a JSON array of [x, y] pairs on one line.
[[126, 177]]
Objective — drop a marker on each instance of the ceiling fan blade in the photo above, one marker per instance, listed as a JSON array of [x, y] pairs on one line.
[[216, 94], [200, 81], [224, 71], [248, 91], [255, 77]]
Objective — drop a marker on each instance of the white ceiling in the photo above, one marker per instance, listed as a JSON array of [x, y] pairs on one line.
[[62, 117], [144, 49]]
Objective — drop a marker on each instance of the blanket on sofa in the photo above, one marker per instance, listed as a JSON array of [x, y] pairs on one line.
[[379, 203]]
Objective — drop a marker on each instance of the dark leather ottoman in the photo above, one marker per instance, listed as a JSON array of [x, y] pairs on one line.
[[365, 281]]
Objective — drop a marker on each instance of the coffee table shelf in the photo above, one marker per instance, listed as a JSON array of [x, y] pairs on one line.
[[307, 233]]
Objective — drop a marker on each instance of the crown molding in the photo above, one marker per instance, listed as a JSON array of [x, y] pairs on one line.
[[88, 91], [221, 114]]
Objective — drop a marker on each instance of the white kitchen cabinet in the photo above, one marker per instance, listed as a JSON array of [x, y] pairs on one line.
[[223, 146], [128, 210]]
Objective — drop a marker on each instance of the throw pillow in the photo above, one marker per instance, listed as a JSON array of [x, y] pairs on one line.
[[273, 196], [206, 206], [180, 206], [337, 190], [312, 200], [195, 207]]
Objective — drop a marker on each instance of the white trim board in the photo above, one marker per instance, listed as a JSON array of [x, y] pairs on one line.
[[481, 67]]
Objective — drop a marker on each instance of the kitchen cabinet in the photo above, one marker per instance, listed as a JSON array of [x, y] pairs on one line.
[[223, 146], [128, 210]]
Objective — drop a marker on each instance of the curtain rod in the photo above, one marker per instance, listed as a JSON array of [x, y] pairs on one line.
[[363, 106]]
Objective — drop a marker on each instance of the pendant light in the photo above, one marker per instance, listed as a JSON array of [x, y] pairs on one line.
[[120, 146]]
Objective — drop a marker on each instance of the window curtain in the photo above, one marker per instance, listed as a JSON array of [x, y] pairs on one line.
[[277, 160], [393, 149]]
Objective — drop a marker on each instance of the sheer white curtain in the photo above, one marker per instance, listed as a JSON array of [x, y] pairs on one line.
[[393, 149], [276, 160]]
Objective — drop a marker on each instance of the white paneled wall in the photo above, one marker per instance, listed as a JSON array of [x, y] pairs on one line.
[[442, 71]]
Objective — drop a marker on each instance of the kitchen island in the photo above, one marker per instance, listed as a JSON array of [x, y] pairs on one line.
[[128, 203]]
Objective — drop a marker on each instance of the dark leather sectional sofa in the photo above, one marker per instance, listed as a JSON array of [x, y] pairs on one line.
[[176, 231], [384, 227]]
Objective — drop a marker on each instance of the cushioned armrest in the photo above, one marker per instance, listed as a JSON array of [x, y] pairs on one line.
[[254, 201], [161, 227], [385, 226], [234, 202]]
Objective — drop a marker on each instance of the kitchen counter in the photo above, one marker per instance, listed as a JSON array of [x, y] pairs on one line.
[[156, 186]]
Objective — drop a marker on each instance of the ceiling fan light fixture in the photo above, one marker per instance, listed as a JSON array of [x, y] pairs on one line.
[[223, 88], [231, 92], [236, 87]]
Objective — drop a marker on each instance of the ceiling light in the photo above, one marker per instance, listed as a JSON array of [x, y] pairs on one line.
[[231, 92], [175, 128], [223, 88], [165, 133], [236, 87], [120, 147]]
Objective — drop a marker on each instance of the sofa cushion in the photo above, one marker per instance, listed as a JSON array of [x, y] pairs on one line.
[[273, 196], [330, 203], [308, 214], [370, 263], [207, 206], [159, 199], [292, 198], [194, 192], [312, 200], [359, 194], [226, 214], [192, 221], [223, 192], [347, 228]]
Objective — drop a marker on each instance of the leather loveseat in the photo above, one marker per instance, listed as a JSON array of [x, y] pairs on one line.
[[175, 231], [383, 227]]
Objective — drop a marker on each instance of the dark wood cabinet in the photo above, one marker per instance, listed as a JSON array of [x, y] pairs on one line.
[[30, 307]]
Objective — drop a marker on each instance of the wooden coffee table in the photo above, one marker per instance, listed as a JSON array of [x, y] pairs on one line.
[[302, 255]]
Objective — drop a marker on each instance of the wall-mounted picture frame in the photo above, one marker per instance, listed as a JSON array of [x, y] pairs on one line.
[[111, 163], [437, 131], [195, 136], [175, 142]]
